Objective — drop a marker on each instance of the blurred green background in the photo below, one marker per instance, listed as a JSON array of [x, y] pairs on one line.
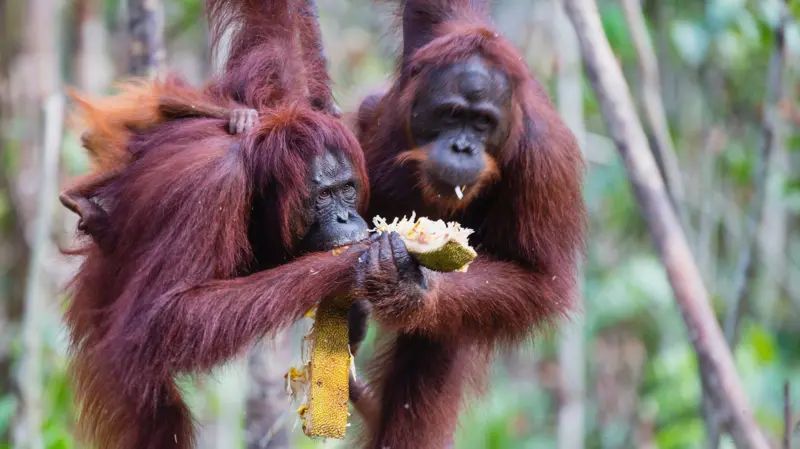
[[641, 386]]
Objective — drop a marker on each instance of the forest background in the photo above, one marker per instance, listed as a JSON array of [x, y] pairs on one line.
[[722, 117]]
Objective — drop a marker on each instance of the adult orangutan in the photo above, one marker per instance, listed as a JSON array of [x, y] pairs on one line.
[[209, 240], [465, 133]]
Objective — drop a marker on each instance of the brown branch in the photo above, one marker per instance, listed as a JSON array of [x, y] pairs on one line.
[[717, 369], [757, 212], [650, 88], [755, 215], [787, 416], [267, 409], [146, 34]]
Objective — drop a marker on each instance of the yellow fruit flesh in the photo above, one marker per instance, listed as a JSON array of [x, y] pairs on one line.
[[435, 245], [328, 375]]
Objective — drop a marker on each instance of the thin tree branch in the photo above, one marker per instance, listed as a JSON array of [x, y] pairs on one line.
[[755, 215], [266, 405], [757, 212], [35, 301], [650, 88], [571, 412], [787, 416], [717, 368]]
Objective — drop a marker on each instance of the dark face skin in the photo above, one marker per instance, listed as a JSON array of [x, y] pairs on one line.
[[461, 117], [335, 191]]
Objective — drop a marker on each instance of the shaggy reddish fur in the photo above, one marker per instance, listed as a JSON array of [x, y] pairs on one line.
[[529, 224], [109, 124], [198, 258]]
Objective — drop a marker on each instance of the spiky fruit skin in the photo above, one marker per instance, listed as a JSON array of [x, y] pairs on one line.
[[328, 376], [452, 256]]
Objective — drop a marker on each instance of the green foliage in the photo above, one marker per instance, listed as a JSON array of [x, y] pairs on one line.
[[182, 16], [511, 415], [761, 343], [616, 28], [8, 408], [791, 185], [73, 156], [685, 433], [738, 163], [691, 41], [636, 289]]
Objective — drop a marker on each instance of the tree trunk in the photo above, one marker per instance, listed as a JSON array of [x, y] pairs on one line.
[[92, 69], [654, 106], [13, 249], [146, 34], [34, 82], [268, 411], [36, 291], [717, 368], [571, 352]]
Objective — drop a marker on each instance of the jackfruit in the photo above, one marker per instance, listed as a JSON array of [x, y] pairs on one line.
[[323, 384], [436, 245]]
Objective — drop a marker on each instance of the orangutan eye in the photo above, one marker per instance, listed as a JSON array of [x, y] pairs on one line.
[[451, 116], [324, 194], [482, 123], [349, 189]]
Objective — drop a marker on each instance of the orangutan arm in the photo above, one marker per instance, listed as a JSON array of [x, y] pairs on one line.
[[193, 329], [494, 300]]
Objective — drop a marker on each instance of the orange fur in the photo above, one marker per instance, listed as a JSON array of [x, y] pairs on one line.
[[109, 122], [451, 205]]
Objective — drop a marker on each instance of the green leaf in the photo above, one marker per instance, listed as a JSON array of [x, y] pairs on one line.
[[681, 434], [793, 142], [761, 342], [794, 6], [720, 13], [616, 29]]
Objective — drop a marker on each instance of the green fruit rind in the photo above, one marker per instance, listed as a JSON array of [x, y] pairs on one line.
[[452, 256]]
